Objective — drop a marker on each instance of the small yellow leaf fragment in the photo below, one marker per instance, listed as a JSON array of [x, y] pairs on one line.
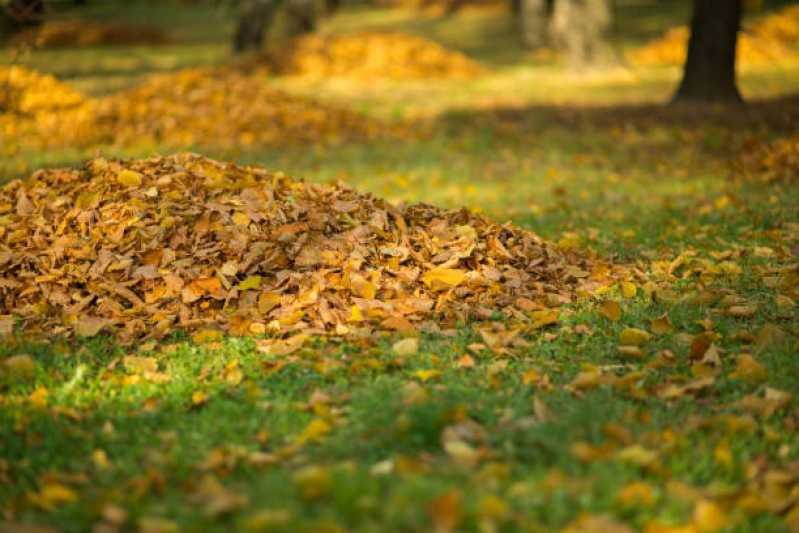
[[628, 289], [748, 369], [251, 282], [198, 398], [241, 219], [637, 454], [633, 337], [544, 317], [52, 495], [427, 375], [207, 336], [356, 315], [661, 325], [38, 398], [315, 431], [406, 347], [709, 517], [461, 452], [611, 310], [439, 279], [129, 178], [88, 326], [100, 459]]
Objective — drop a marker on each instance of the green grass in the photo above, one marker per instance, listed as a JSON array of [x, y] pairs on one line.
[[635, 184]]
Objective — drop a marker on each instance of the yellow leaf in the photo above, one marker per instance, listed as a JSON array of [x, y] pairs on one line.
[[252, 282], [232, 373], [207, 336], [637, 454], [52, 495], [427, 375], [315, 431], [633, 337], [545, 317], [88, 326], [198, 398], [439, 279], [709, 517], [610, 310], [661, 325], [406, 347], [461, 452], [628, 290], [748, 369], [356, 315], [240, 219], [129, 178], [38, 398]]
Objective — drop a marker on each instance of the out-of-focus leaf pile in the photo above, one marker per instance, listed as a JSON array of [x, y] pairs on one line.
[[141, 247], [66, 33], [224, 107], [210, 107], [26, 92], [773, 37], [38, 110], [771, 161], [370, 55]]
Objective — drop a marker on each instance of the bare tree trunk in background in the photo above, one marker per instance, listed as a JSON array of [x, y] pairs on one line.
[[709, 73], [21, 14], [302, 17], [254, 17], [580, 28], [533, 21]]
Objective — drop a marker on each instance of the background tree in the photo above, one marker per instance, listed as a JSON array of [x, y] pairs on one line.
[[533, 17], [580, 28], [16, 15], [255, 17], [709, 73]]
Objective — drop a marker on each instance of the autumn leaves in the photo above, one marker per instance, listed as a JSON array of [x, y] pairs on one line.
[[143, 247]]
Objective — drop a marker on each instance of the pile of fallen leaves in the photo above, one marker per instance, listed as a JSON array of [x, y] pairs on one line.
[[770, 161], [209, 107], [69, 33], [369, 55], [225, 108], [140, 248], [772, 38], [26, 92], [38, 111]]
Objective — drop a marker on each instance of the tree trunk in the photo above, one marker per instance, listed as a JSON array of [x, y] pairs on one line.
[[254, 17], [709, 74], [580, 29], [301, 17], [533, 23], [20, 14]]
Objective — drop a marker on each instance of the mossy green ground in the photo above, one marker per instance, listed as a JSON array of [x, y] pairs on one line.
[[348, 435]]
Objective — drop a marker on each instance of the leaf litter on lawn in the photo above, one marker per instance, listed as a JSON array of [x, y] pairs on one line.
[[139, 248]]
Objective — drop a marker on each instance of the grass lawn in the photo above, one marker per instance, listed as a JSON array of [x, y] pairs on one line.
[[478, 429]]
